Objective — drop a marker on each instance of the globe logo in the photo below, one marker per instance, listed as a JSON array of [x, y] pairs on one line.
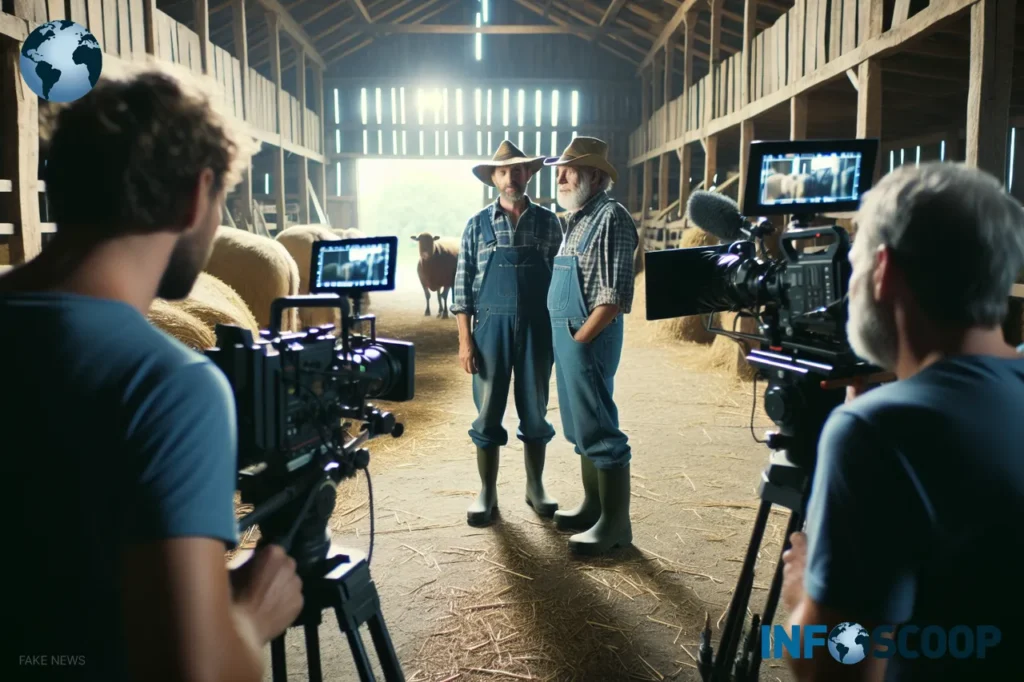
[[848, 643], [61, 61]]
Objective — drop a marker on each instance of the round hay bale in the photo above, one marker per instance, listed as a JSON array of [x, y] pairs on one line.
[[694, 236], [729, 355], [188, 329], [259, 269], [214, 302]]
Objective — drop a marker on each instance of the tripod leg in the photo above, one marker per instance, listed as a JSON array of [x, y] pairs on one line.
[[313, 652], [795, 522], [355, 643], [277, 662], [385, 650], [741, 597]]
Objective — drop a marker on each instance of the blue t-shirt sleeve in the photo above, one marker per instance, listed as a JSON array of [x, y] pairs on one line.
[[183, 448], [864, 524]]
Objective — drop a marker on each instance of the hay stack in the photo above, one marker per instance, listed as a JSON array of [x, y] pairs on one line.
[[188, 329], [213, 302], [259, 269], [728, 354]]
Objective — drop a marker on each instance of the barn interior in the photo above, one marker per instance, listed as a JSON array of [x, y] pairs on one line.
[[371, 114]]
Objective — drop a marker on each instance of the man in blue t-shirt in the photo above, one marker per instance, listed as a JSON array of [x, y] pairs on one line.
[[914, 518], [119, 443]]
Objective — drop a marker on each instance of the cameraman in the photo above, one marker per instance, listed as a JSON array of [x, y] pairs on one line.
[[120, 442], [914, 515]]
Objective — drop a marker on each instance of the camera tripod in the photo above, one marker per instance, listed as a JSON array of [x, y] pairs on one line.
[[799, 403], [333, 577]]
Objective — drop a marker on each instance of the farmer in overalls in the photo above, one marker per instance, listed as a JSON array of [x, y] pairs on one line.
[[501, 281], [591, 289]]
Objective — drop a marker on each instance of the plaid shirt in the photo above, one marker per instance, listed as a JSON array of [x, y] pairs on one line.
[[607, 266], [535, 222]]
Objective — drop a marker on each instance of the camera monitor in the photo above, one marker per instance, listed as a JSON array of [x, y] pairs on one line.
[[808, 176], [349, 265]]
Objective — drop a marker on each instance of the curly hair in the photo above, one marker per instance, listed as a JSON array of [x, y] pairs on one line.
[[126, 157]]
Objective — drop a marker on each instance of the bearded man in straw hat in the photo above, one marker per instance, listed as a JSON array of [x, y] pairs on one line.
[[501, 282], [591, 289]]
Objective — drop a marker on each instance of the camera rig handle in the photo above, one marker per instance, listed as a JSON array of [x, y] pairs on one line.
[[279, 305]]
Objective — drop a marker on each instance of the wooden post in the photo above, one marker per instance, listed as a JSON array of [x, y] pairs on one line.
[[631, 192], [798, 117], [667, 86], [953, 147], [303, 162], [749, 28], [645, 97], [321, 181], [988, 94], [149, 25], [645, 205], [746, 137], [713, 54], [689, 31], [19, 117], [202, 19], [242, 54], [273, 28], [663, 173], [710, 161], [685, 168], [869, 104]]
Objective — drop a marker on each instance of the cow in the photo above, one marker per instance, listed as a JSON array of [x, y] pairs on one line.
[[439, 257]]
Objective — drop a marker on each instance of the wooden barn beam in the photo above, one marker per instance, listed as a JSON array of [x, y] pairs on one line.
[[685, 170], [369, 39], [746, 84], [710, 161], [670, 28], [869, 104], [540, 11], [988, 95], [361, 8], [293, 29], [323, 34], [610, 15], [273, 28], [302, 161], [497, 29], [746, 137], [242, 54], [202, 26], [19, 127]]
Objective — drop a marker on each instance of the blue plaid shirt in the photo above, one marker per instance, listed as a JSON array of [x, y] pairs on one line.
[[535, 222], [606, 269]]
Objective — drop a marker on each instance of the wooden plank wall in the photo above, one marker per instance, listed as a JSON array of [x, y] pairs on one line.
[[117, 24]]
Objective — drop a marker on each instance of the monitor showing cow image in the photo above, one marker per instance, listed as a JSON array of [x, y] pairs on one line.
[[347, 265], [808, 176]]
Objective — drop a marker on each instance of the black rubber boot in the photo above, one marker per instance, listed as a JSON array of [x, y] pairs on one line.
[[589, 510], [536, 497], [613, 529], [481, 512]]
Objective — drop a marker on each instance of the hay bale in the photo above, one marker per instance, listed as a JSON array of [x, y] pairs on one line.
[[213, 302], [729, 355], [691, 328], [694, 236], [259, 269], [188, 329]]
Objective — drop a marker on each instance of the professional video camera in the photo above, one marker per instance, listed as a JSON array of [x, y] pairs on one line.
[[292, 392], [800, 305]]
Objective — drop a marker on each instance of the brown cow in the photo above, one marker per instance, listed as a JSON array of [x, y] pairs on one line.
[[439, 257]]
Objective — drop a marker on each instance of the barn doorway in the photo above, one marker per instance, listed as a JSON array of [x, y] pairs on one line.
[[404, 197]]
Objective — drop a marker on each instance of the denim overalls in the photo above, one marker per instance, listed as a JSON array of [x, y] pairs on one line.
[[585, 372], [512, 331]]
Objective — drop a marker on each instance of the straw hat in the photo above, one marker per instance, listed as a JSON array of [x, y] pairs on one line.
[[507, 155], [585, 151]]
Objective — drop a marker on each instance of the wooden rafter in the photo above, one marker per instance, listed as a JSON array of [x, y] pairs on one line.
[[541, 11], [671, 27], [420, 20], [361, 8]]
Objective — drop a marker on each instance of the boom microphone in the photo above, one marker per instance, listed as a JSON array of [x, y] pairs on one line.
[[718, 215]]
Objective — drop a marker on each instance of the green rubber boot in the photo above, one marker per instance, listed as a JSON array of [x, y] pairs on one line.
[[613, 529], [536, 497], [589, 510], [481, 512]]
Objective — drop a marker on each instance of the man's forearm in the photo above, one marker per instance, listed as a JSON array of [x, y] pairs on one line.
[[465, 327], [600, 317]]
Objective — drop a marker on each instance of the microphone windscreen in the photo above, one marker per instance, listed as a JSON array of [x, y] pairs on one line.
[[716, 214]]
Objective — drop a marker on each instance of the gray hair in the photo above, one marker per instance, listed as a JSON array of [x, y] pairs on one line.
[[957, 235]]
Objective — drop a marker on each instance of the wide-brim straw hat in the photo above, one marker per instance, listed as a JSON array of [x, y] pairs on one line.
[[507, 155], [585, 151]]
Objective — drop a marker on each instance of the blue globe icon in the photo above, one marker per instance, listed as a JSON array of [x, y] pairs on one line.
[[61, 61], [848, 643]]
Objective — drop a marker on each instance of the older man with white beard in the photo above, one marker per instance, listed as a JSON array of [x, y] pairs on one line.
[[914, 514], [501, 281], [591, 289]]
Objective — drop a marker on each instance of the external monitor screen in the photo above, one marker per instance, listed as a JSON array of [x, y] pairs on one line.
[[354, 264]]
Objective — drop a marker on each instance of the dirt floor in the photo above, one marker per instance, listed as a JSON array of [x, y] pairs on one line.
[[509, 602]]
